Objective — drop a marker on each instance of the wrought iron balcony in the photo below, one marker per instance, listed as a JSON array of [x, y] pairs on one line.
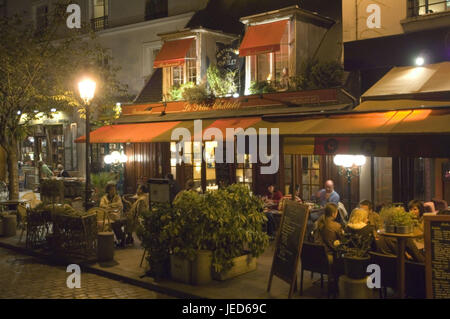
[[98, 24]]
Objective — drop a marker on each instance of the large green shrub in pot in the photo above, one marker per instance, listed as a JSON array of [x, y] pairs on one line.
[[228, 222], [186, 229], [153, 236], [240, 227]]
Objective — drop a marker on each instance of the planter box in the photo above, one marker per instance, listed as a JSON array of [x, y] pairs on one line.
[[197, 272], [201, 270], [242, 265], [180, 269]]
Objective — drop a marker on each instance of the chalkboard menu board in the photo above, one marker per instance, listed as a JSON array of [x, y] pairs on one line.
[[289, 243], [437, 256]]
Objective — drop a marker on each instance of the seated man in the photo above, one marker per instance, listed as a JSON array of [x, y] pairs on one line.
[[137, 208], [328, 194], [271, 202], [325, 196], [62, 172]]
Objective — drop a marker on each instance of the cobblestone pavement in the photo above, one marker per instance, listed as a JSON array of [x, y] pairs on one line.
[[25, 277]]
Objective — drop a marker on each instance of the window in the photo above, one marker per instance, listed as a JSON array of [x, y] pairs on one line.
[[177, 75], [155, 9], [424, 7], [41, 17], [100, 14], [272, 66], [383, 180], [244, 171], [310, 176], [192, 161], [210, 161], [188, 71]]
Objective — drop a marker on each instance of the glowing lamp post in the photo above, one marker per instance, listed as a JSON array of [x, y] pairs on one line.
[[87, 90], [346, 163]]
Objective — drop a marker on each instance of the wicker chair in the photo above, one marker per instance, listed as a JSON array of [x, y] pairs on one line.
[[103, 220], [22, 212], [415, 285], [314, 258], [31, 197], [77, 203], [388, 265]]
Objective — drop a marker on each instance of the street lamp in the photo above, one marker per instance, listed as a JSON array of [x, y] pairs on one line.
[[87, 90], [346, 163]]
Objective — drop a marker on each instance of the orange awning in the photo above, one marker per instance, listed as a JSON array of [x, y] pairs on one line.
[[263, 38], [233, 123], [173, 53], [128, 133]]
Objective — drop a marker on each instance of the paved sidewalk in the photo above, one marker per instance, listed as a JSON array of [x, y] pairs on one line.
[[252, 285], [24, 277]]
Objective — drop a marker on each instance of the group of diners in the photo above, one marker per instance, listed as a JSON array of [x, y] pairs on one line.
[[274, 202], [367, 223]]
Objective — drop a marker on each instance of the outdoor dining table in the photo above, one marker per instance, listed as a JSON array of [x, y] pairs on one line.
[[401, 243]]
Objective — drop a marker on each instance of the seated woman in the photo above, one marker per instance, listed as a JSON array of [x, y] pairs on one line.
[[417, 208], [271, 202], [328, 231], [359, 224], [137, 208], [112, 202]]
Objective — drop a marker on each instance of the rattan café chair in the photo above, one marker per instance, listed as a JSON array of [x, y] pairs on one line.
[[103, 220]]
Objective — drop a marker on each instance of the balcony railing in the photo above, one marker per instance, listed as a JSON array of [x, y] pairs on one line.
[[98, 24], [423, 7]]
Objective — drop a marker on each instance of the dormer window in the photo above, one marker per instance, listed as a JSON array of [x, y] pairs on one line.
[[178, 58], [266, 48]]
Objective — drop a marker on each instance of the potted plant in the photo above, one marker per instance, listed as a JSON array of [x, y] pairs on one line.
[[403, 221], [189, 234], [240, 238], [151, 233], [354, 250], [387, 214], [219, 233]]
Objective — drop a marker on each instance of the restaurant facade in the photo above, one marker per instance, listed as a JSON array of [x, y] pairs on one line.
[[400, 128]]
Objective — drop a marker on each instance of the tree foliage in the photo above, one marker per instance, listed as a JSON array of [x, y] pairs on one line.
[[39, 71]]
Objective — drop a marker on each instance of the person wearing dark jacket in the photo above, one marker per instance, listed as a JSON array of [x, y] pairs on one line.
[[62, 172], [388, 246], [328, 230], [174, 187]]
